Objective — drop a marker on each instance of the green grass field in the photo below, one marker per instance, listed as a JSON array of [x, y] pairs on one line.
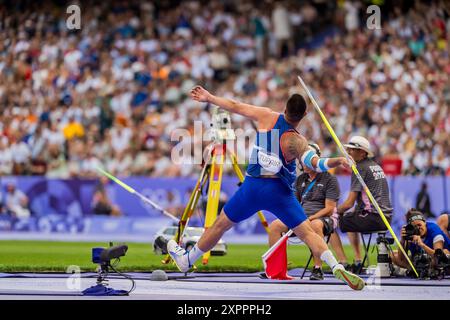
[[45, 256]]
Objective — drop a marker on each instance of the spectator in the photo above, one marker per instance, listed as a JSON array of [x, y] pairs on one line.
[[260, 26], [38, 146], [282, 29], [56, 163], [73, 129], [15, 202], [120, 137], [101, 204], [389, 85], [6, 158], [423, 203], [351, 15], [20, 153]]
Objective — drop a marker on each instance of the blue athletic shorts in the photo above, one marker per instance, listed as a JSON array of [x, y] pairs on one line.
[[265, 194]]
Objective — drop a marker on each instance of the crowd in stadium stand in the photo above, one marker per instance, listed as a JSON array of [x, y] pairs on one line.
[[112, 93]]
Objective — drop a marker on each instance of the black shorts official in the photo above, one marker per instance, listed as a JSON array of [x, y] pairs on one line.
[[362, 221]]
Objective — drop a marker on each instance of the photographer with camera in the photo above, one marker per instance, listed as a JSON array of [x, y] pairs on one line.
[[423, 239]]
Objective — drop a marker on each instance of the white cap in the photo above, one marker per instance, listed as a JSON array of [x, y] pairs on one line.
[[358, 142]]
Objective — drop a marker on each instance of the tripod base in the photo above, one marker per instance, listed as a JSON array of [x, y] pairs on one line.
[[102, 290], [212, 175]]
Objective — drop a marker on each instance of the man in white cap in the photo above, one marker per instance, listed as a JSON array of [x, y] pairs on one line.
[[364, 217]]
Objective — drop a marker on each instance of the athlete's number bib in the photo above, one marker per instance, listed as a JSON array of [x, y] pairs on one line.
[[269, 162]]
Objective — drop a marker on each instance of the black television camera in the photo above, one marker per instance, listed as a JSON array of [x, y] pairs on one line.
[[441, 265], [434, 267], [103, 257], [422, 263]]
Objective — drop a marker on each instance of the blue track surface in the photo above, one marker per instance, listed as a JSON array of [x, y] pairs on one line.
[[219, 286]]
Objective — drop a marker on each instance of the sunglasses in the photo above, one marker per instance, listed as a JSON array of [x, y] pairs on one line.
[[355, 144]]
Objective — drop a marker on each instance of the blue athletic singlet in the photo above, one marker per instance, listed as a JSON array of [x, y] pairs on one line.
[[267, 157], [274, 195]]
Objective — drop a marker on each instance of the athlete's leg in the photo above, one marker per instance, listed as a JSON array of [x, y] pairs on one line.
[[213, 234], [318, 247], [276, 228], [287, 208], [292, 214], [185, 259], [240, 207]]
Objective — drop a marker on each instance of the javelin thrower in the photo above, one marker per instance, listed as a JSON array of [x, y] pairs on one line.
[[268, 184]]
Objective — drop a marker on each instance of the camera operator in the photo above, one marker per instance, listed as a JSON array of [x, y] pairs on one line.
[[357, 213], [419, 237]]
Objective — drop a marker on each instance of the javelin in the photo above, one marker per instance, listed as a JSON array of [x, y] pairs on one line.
[[355, 171], [142, 197]]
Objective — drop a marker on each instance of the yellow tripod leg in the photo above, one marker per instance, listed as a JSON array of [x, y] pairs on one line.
[[238, 171], [189, 210], [215, 181]]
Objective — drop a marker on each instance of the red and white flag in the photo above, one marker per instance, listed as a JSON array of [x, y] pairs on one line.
[[275, 259]]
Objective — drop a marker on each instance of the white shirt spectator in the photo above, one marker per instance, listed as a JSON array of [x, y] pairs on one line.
[[49, 52], [148, 45], [200, 65], [37, 145], [89, 165], [281, 23], [161, 166], [120, 166], [120, 104], [120, 139], [72, 58], [351, 15], [22, 45], [54, 137], [16, 203], [6, 161], [20, 152]]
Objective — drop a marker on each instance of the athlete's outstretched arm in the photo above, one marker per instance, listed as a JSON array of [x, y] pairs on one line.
[[296, 146], [200, 94]]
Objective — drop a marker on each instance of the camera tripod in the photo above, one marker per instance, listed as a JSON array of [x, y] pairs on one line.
[[212, 170]]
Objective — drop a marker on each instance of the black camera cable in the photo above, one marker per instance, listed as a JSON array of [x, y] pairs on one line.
[[133, 283]]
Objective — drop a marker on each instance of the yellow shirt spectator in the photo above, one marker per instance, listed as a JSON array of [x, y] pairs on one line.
[[73, 129]]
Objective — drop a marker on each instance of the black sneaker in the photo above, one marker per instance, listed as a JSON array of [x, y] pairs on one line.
[[161, 244], [357, 267], [316, 274], [346, 266]]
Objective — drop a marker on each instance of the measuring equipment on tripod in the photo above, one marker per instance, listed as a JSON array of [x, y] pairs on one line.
[[221, 125], [212, 173]]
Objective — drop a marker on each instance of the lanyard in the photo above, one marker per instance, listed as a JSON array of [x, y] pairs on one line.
[[311, 184]]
